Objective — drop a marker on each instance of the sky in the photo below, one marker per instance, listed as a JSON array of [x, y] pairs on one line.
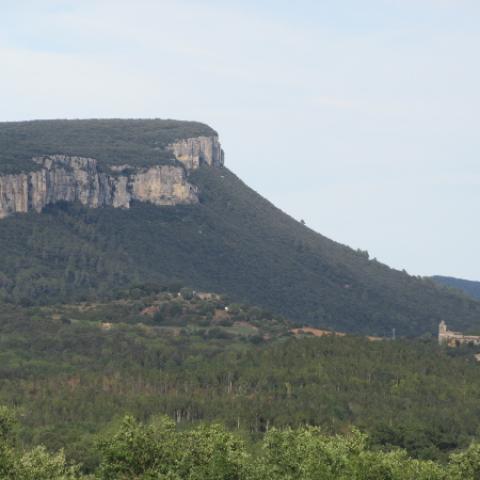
[[361, 118]]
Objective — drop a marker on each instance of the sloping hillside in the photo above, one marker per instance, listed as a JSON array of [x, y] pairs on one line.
[[468, 287], [233, 242]]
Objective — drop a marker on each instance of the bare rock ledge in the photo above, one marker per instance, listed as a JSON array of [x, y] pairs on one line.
[[77, 179]]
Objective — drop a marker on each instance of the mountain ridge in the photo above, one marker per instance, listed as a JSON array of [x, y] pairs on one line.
[[468, 287], [232, 241]]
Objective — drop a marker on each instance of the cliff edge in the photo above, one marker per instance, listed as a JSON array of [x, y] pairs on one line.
[[66, 178]]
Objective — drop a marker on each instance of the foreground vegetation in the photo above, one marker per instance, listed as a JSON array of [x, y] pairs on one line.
[[70, 371], [158, 450]]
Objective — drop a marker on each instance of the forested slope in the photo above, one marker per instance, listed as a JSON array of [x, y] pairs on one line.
[[468, 287], [234, 242], [72, 370]]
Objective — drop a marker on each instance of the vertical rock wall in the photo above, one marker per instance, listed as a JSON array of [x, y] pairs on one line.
[[77, 179], [192, 152]]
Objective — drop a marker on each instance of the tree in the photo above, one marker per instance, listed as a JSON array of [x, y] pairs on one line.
[[186, 293], [209, 451], [139, 451], [7, 459], [36, 464], [465, 465]]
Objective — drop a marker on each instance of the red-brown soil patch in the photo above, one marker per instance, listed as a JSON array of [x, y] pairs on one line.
[[316, 332]]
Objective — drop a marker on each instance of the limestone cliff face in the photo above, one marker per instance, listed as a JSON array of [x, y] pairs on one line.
[[192, 152], [77, 179]]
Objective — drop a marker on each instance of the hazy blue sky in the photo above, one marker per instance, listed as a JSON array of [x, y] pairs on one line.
[[360, 117]]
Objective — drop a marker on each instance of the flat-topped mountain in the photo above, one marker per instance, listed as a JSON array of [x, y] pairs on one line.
[[113, 142], [151, 169], [93, 206]]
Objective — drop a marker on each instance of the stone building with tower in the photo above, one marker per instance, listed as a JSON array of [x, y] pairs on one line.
[[454, 339]]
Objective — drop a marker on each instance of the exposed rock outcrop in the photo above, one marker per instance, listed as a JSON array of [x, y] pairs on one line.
[[192, 152], [77, 179]]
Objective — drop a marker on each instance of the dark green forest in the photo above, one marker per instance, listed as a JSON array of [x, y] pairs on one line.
[[72, 371], [234, 242], [138, 143]]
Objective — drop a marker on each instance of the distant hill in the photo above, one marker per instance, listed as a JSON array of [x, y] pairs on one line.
[[468, 287], [231, 241]]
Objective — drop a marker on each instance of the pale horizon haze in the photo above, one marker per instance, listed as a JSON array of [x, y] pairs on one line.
[[362, 118]]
